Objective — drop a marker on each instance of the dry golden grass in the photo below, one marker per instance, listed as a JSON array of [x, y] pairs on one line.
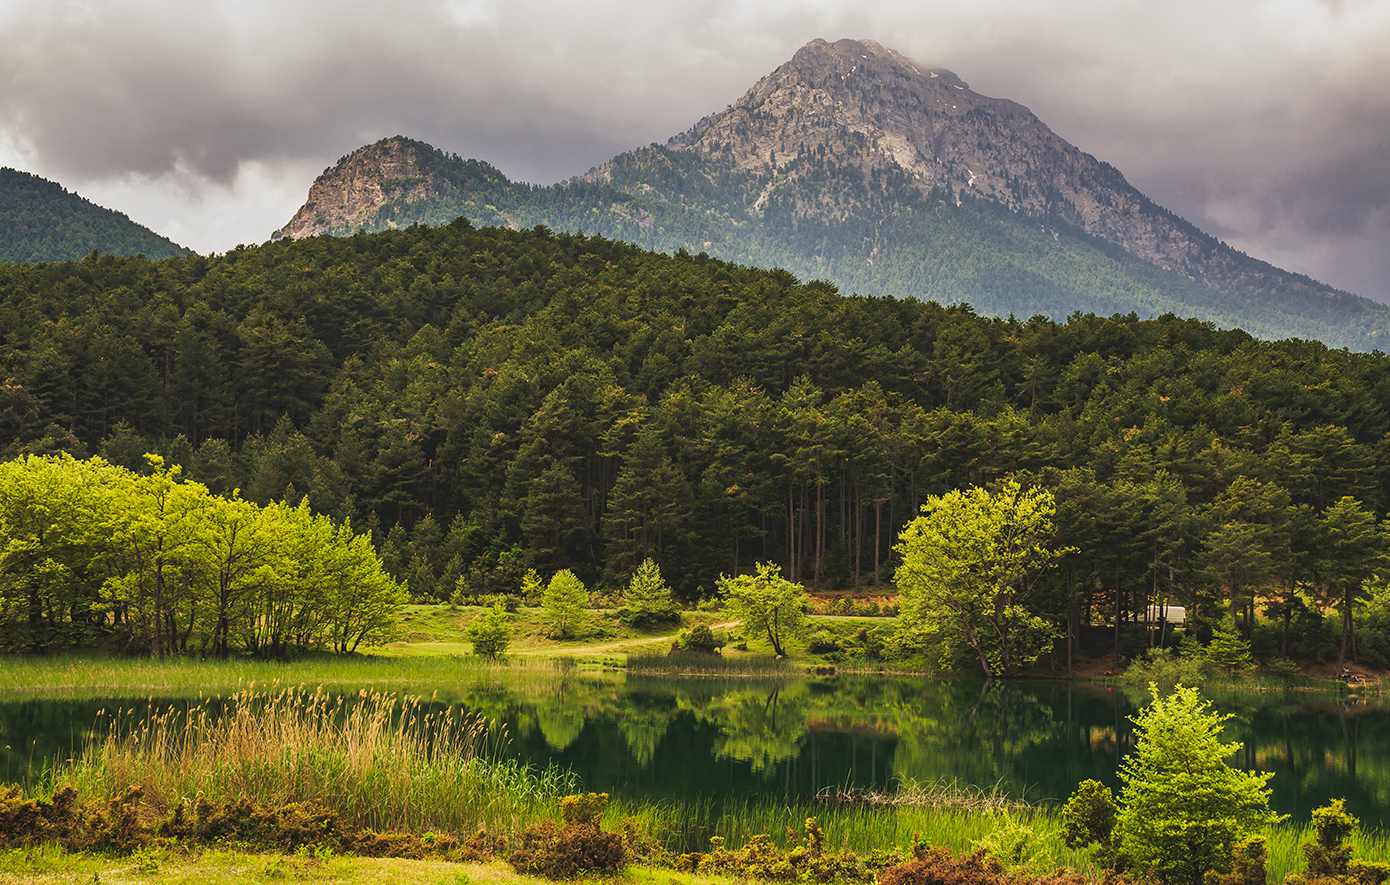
[[380, 761]]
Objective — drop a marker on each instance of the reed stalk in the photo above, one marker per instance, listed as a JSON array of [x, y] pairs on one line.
[[382, 762]]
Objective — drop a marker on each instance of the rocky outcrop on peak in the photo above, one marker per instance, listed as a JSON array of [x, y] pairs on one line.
[[878, 111], [393, 170]]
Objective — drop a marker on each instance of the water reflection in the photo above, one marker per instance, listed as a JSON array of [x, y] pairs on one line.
[[660, 738]]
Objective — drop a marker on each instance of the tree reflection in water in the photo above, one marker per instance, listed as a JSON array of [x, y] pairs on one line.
[[653, 738]]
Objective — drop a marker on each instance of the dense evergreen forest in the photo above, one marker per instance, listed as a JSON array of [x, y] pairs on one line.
[[40, 221], [486, 401]]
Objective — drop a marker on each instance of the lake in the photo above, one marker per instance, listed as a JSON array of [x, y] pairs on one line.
[[660, 738]]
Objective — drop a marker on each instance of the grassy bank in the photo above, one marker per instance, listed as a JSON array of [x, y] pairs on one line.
[[380, 762], [84, 677]]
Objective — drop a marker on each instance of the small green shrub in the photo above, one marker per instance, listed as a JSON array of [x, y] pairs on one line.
[[491, 633], [1088, 819], [761, 859], [823, 642], [1329, 858], [1014, 844], [700, 638], [1247, 865]]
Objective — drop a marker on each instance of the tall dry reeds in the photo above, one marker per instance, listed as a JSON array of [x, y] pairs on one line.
[[380, 761]]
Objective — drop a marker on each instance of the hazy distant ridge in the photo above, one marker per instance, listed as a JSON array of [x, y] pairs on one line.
[[41, 221]]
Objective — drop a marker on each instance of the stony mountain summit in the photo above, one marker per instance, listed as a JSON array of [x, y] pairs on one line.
[[884, 113], [855, 164], [351, 193]]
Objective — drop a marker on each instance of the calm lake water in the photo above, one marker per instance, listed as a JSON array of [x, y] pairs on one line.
[[663, 738]]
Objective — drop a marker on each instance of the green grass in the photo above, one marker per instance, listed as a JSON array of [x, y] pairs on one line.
[[731, 664], [948, 814], [939, 814], [49, 865], [86, 677]]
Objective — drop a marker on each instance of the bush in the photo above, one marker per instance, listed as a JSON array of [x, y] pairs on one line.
[[123, 824], [702, 639], [1329, 858], [761, 859], [580, 848], [1088, 819], [1014, 844], [1247, 865], [823, 642], [491, 633], [1183, 806], [937, 866], [1163, 668]]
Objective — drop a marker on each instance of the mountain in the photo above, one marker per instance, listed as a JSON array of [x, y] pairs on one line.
[[854, 164], [41, 221]]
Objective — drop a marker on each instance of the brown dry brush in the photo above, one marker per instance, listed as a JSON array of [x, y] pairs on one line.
[[118, 825], [938, 866]]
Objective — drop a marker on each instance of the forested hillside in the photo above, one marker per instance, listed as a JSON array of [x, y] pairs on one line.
[[486, 400], [40, 221], [818, 215]]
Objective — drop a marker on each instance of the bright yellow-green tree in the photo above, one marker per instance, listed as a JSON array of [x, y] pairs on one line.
[[1182, 806], [968, 563], [768, 604]]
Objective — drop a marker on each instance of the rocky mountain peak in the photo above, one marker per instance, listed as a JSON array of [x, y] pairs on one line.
[[853, 162], [872, 106], [862, 106], [391, 170]]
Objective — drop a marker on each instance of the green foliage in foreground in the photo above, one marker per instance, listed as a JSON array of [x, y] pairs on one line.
[[1183, 808]]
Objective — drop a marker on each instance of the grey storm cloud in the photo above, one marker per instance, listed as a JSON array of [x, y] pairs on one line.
[[1266, 122]]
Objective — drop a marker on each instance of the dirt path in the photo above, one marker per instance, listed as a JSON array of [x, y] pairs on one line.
[[617, 646]]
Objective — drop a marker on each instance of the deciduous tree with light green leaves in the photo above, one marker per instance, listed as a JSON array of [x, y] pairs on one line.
[[564, 603], [968, 563], [768, 604], [1182, 806]]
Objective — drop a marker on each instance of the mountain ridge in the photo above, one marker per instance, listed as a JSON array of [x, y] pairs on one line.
[[40, 220], [852, 163]]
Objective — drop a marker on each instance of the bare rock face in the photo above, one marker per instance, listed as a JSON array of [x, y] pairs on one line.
[[870, 107], [389, 171]]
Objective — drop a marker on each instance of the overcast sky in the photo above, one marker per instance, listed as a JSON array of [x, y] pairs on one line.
[[1265, 123]]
